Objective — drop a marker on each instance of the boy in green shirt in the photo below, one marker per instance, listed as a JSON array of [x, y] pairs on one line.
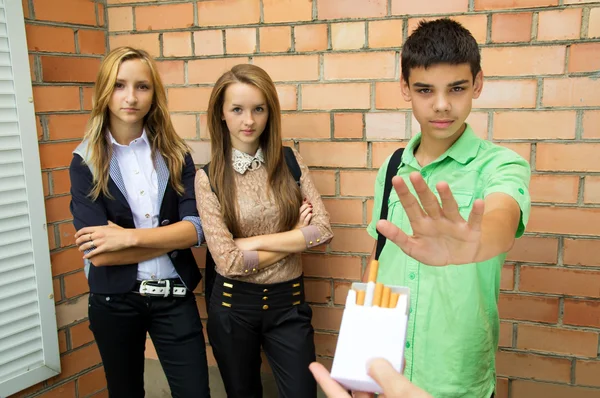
[[457, 206]]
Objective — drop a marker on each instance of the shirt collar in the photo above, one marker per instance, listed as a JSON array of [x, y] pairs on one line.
[[143, 137], [243, 162], [463, 150]]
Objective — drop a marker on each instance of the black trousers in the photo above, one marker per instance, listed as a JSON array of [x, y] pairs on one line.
[[243, 317], [120, 323]]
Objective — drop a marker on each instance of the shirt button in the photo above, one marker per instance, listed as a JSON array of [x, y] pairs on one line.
[[412, 276], [142, 193], [408, 344], [147, 215], [153, 276], [423, 173], [137, 172], [410, 310]]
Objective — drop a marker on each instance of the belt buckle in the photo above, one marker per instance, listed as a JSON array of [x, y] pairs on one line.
[[143, 287], [145, 284]]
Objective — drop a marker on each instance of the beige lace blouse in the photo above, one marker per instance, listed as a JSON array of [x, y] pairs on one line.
[[259, 216]]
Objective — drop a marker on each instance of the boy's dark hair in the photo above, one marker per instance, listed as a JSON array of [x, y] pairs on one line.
[[442, 41]]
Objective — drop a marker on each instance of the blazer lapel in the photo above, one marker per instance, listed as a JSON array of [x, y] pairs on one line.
[[115, 174], [162, 172]]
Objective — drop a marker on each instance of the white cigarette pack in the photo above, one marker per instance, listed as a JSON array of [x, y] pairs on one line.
[[367, 333]]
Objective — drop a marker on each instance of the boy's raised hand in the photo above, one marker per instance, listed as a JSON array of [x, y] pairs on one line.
[[440, 235]]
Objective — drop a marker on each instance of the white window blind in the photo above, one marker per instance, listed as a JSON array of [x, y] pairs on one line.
[[28, 335]]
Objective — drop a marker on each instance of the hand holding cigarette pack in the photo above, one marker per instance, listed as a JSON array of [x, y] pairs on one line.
[[373, 326]]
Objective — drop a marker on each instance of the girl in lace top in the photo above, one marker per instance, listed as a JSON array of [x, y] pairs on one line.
[[257, 221]]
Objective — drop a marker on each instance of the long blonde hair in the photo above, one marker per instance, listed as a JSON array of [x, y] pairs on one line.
[[159, 128], [221, 174]]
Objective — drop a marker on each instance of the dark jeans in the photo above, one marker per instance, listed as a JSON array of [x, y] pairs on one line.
[[245, 317], [120, 323]]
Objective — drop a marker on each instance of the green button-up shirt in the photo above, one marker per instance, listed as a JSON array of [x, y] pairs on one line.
[[453, 327]]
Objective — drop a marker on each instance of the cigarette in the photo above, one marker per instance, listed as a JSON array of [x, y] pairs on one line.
[[360, 297], [394, 299], [377, 294], [373, 271], [385, 298], [369, 295]]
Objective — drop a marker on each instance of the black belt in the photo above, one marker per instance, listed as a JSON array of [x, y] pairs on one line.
[[160, 288]]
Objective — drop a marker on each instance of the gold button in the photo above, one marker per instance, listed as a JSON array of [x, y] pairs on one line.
[[318, 240], [265, 307], [265, 298], [310, 243], [253, 269], [246, 271], [266, 290]]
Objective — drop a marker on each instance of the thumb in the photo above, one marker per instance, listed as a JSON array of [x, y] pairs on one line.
[[394, 384]]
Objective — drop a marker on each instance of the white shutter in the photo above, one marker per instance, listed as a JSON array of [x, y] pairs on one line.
[[28, 335]]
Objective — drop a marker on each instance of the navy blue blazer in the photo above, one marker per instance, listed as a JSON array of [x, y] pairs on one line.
[[173, 208]]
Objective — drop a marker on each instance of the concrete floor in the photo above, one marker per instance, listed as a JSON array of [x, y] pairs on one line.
[[156, 385]]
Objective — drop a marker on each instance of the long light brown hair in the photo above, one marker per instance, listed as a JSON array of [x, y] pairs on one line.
[[281, 183], [159, 128]]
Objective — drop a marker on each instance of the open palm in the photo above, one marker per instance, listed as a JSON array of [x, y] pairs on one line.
[[440, 235]]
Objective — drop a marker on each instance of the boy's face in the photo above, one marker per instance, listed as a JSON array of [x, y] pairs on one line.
[[442, 97]]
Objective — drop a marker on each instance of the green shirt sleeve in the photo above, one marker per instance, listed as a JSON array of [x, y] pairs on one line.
[[379, 185], [512, 178]]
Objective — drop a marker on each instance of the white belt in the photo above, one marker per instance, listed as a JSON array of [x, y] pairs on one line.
[[148, 288]]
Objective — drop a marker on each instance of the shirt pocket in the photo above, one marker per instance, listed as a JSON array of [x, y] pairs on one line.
[[464, 200]]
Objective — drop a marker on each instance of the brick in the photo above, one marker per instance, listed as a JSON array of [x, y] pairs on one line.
[[586, 373], [324, 181], [61, 182], [209, 42], [403, 7], [528, 308], [554, 188], [61, 127], [189, 98], [317, 291], [510, 28], [288, 95], [591, 193], [287, 10], [567, 157], [357, 183], [240, 41], [476, 24], [325, 343], [582, 312], [145, 41], [66, 390], [557, 340], [344, 211], [233, 12], [501, 388], [387, 33], [334, 154], [524, 150], [177, 44], [185, 125], [506, 334], [559, 24], [26, 12], [72, 311], [527, 389], [507, 94], [100, 14], [372, 65], [78, 360], [591, 121], [388, 95], [290, 67], [200, 151], [594, 23], [581, 252], [340, 292], [336, 96], [91, 382], [348, 35], [55, 98], [577, 221], [32, 71], [327, 318], [56, 283], [66, 232], [81, 334], [348, 125], [305, 125], [50, 38], [481, 5], [75, 284], [69, 69], [66, 261], [347, 9], [332, 266], [70, 11], [62, 341], [88, 92], [310, 37], [56, 154], [389, 126], [170, 16], [584, 57], [351, 240], [275, 39], [573, 282], [120, 19], [507, 277], [171, 72], [57, 209], [46, 184], [535, 125], [92, 41], [520, 61], [208, 71], [527, 365]]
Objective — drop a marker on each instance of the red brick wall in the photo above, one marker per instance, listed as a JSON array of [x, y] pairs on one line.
[[336, 65]]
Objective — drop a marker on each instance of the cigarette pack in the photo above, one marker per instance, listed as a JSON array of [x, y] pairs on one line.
[[368, 332]]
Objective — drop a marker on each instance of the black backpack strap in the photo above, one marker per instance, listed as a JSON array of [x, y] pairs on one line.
[[392, 170], [292, 163]]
